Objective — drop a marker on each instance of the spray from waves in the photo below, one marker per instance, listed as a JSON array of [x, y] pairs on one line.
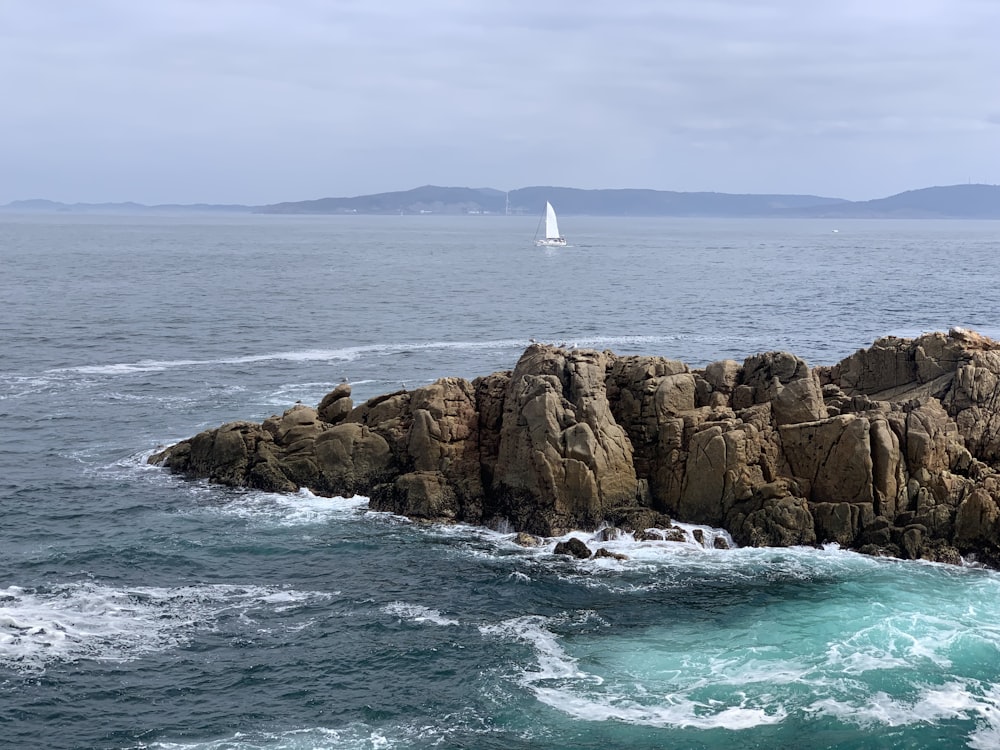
[[74, 621], [256, 507], [272, 509]]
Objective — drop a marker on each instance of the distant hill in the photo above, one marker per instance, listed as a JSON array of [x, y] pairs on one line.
[[531, 200], [426, 199], [949, 202], [37, 205]]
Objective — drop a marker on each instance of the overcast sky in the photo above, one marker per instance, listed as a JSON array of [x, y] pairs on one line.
[[260, 101]]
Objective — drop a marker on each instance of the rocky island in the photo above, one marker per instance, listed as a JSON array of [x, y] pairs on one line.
[[893, 451]]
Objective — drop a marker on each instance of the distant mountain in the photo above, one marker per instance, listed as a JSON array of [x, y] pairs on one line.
[[531, 200], [949, 202], [38, 205], [426, 199]]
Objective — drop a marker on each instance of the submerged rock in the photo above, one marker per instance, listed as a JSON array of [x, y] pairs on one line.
[[524, 539], [573, 547], [604, 552], [894, 450]]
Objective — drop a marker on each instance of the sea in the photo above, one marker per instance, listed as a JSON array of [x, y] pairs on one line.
[[142, 610]]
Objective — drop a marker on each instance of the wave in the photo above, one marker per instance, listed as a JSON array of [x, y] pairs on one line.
[[353, 353], [344, 354], [274, 509], [74, 621]]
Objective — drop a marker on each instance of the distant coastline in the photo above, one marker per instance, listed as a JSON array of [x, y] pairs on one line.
[[971, 201]]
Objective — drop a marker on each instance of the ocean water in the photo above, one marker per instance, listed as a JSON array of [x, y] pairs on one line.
[[139, 610]]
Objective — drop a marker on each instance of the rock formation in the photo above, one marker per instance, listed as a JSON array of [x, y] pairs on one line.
[[893, 451]]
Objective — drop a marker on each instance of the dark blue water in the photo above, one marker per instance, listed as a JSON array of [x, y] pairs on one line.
[[138, 610]]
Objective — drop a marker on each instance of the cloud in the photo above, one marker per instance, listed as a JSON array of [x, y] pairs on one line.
[[261, 101]]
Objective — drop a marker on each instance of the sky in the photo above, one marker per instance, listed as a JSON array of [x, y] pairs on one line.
[[262, 101]]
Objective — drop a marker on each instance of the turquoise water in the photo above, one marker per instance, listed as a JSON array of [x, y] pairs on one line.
[[138, 610]]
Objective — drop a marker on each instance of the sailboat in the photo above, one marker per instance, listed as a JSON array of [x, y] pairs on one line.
[[552, 237]]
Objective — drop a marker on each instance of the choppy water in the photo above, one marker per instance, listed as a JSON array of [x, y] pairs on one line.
[[138, 610]]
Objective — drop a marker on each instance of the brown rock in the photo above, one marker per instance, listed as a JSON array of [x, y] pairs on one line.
[[976, 520], [525, 539], [832, 458], [573, 547], [896, 449], [563, 460], [602, 552], [336, 405], [351, 459]]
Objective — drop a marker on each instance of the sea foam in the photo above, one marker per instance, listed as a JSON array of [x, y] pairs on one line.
[[73, 621], [417, 613]]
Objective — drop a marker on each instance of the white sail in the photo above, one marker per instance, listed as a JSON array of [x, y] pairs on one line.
[[551, 225], [552, 237]]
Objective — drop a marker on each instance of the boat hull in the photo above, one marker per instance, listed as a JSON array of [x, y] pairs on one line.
[[558, 242]]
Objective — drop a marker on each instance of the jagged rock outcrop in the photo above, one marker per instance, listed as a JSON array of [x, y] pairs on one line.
[[562, 459], [894, 451]]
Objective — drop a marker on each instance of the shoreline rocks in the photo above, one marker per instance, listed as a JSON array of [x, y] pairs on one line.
[[893, 451]]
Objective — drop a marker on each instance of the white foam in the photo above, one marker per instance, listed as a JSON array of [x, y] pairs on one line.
[[128, 368], [74, 621], [624, 543], [357, 735], [352, 737], [671, 711], [353, 353], [417, 613], [559, 682], [553, 662], [302, 508], [344, 354], [953, 700], [987, 733], [18, 386], [902, 640]]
